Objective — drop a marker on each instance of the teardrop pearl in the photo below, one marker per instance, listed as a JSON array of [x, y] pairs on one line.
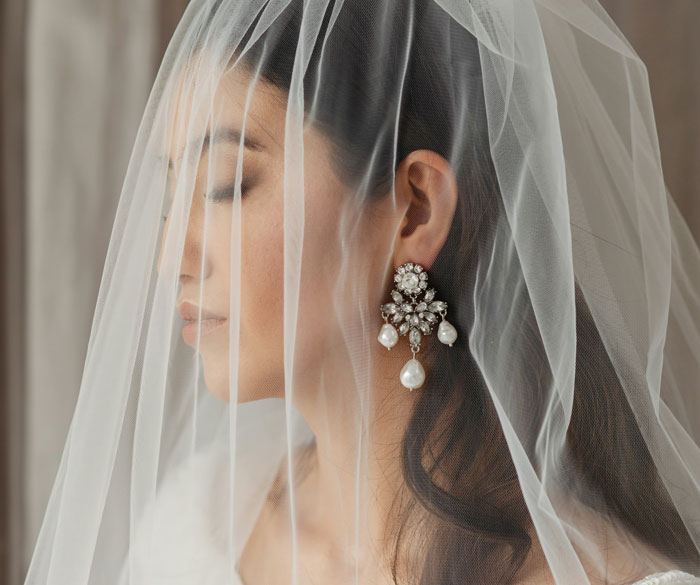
[[412, 374], [388, 336], [447, 333]]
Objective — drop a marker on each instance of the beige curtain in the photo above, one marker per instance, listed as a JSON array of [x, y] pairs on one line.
[[665, 35], [12, 137], [90, 66]]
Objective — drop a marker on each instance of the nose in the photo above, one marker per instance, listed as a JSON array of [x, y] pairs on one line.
[[192, 257]]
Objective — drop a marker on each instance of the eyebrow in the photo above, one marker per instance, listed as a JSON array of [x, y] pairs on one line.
[[226, 135]]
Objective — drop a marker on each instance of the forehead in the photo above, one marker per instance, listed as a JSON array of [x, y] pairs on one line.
[[207, 99]]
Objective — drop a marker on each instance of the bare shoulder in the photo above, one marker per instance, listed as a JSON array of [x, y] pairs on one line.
[[538, 576]]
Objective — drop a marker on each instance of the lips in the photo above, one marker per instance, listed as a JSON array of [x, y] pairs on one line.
[[194, 328], [191, 312]]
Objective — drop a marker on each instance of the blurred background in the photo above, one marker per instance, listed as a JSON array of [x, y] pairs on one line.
[[74, 79]]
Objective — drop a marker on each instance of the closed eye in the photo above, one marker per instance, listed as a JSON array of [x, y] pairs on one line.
[[225, 193], [219, 195]]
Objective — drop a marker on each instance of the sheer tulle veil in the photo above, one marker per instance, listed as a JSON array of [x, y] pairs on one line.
[[395, 292]]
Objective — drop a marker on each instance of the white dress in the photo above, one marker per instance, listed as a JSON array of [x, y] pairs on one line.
[[191, 544]]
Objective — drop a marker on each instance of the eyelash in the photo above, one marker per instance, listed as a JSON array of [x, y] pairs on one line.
[[227, 193], [222, 194]]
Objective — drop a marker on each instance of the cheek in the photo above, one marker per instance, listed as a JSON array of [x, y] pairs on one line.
[[322, 305], [262, 272]]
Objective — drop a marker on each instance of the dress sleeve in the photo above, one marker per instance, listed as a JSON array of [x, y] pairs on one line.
[[670, 578], [175, 544]]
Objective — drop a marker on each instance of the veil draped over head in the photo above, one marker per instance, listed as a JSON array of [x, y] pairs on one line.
[[441, 314]]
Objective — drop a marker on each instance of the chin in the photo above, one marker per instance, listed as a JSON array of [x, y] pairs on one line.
[[250, 387]]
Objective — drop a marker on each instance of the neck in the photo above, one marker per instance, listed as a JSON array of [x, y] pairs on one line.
[[347, 500]]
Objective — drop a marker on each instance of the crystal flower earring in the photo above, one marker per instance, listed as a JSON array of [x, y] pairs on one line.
[[414, 316]]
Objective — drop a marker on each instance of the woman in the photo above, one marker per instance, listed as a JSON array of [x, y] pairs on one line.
[[481, 179]]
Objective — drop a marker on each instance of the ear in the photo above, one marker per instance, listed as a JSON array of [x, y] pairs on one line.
[[425, 180]]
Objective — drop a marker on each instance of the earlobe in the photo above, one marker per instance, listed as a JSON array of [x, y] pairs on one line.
[[426, 180]]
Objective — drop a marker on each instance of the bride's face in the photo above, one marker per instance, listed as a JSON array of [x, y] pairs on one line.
[[209, 271]]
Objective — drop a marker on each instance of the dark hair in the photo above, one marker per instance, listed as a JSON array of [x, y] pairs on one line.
[[454, 455]]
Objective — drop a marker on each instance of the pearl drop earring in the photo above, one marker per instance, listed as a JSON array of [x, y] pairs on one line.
[[415, 317]]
